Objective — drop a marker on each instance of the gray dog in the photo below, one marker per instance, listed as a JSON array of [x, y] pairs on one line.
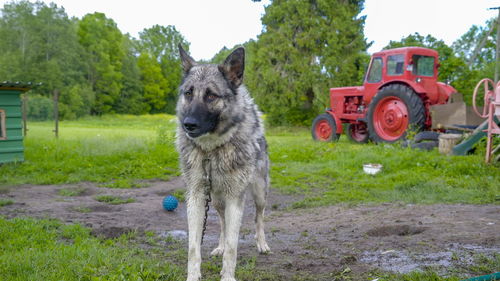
[[223, 153]]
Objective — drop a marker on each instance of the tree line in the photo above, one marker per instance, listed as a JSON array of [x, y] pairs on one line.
[[305, 48], [96, 68]]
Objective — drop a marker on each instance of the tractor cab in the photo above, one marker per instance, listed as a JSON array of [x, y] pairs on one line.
[[414, 66]]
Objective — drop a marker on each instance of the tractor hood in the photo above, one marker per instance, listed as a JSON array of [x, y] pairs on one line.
[[351, 91]]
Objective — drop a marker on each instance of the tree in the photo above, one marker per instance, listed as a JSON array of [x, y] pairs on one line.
[[453, 68], [159, 43], [131, 96], [102, 41], [39, 44], [306, 48], [477, 45], [477, 48], [154, 83]]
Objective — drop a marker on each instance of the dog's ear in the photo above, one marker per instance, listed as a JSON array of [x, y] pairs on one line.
[[234, 66], [187, 61]]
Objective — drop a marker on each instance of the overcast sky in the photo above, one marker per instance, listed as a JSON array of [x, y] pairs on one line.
[[210, 25]]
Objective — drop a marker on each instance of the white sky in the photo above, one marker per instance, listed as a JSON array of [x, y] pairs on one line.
[[210, 25]]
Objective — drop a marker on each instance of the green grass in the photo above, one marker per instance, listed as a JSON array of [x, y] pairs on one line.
[[180, 194], [5, 202], [70, 192], [49, 250], [122, 150], [115, 151], [331, 173], [114, 200]]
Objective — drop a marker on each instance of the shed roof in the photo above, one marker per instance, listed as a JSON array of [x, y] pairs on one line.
[[20, 86]]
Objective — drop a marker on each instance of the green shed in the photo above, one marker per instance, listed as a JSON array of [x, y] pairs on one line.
[[11, 126]]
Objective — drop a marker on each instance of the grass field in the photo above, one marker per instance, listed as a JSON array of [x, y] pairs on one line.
[[120, 151], [123, 151]]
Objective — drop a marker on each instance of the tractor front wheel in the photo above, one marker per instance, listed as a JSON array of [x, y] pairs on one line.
[[324, 128], [357, 132], [394, 109]]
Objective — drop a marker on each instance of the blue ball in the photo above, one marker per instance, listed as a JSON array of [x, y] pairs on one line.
[[170, 203]]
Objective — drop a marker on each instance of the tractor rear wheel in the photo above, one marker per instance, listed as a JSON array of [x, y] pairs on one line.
[[357, 132], [394, 109], [324, 128]]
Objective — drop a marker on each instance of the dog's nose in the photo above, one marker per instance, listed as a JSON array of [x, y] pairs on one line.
[[191, 124]]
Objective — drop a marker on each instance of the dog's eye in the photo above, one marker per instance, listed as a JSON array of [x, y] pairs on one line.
[[210, 96], [188, 94]]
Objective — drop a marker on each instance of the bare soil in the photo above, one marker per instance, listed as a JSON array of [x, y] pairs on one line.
[[314, 241]]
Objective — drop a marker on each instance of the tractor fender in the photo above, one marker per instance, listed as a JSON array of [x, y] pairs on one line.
[[445, 92], [337, 122], [412, 84]]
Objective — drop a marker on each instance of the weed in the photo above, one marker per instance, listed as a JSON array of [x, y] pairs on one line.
[[114, 200], [180, 194], [5, 202], [81, 209], [71, 191]]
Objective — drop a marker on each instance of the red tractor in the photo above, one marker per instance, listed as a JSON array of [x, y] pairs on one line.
[[399, 88]]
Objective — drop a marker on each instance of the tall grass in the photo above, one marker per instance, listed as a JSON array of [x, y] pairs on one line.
[[115, 151]]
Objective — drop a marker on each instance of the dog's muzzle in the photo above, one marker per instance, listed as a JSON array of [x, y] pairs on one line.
[[192, 127]]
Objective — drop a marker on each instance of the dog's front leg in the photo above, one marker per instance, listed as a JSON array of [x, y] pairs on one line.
[[233, 215], [195, 215]]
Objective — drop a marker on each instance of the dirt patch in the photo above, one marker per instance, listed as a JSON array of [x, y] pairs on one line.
[[392, 237], [110, 232], [401, 230]]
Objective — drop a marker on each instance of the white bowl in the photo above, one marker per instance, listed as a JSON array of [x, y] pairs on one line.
[[372, 168]]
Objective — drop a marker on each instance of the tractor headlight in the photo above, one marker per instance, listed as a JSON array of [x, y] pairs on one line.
[[418, 80]]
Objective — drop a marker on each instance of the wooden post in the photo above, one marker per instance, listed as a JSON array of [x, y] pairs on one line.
[[56, 112], [24, 106]]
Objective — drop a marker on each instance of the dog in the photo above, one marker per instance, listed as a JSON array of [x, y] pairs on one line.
[[223, 153]]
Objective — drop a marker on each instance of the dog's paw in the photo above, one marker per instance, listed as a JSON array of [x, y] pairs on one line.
[[194, 277], [262, 247], [219, 251], [227, 279]]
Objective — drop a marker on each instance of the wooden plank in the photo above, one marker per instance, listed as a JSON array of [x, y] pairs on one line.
[[9, 144], [14, 138], [9, 99], [12, 123], [12, 111], [11, 150], [17, 132], [11, 157]]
